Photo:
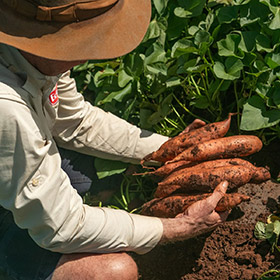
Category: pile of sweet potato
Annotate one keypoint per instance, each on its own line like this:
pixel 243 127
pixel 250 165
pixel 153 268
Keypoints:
pixel 195 162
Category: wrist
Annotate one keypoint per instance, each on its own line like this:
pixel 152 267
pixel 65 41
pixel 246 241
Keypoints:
pixel 177 229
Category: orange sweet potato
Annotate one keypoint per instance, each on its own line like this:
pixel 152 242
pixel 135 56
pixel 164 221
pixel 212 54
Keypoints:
pixel 227 147
pixel 169 168
pixel 171 206
pixel 179 143
pixel 202 180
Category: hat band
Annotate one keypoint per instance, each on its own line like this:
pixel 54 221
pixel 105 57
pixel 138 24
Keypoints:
pixel 66 13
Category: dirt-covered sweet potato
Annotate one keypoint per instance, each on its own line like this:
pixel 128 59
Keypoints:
pixel 227 147
pixel 171 206
pixel 178 144
pixel 203 180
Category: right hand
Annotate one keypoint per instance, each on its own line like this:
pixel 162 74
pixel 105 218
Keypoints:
pixel 199 218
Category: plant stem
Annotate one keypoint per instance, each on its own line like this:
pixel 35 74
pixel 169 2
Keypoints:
pixel 237 107
pixel 215 94
pixel 187 110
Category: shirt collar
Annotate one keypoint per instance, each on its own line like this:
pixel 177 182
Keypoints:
pixel 33 79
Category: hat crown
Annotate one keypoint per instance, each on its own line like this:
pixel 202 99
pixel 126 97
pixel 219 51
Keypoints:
pixel 55 3
pixel 61 10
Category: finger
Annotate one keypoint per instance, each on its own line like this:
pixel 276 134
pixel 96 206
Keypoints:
pixel 218 193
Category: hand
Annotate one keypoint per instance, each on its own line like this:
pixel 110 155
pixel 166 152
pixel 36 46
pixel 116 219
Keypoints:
pixel 197 123
pixel 199 218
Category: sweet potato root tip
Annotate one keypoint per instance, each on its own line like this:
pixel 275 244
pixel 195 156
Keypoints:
pixel 166 169
pixel 171 206
pixel 260 175
pixel 230 201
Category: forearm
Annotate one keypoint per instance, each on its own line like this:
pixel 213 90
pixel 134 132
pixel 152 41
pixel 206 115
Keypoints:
pixel 88 129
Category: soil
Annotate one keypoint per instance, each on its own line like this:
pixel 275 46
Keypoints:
pixel 231 251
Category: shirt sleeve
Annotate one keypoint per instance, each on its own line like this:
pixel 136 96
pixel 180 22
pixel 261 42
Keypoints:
pixel 88 129
pixel 42 200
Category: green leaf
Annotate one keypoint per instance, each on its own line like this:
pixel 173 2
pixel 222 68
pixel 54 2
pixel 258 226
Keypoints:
pixel 248 39
pixel 123 79
pixel 157 68
pixel 190 8
pixel 181 47
pixel 175 26
pixel 107 167
pixel 273 60
pixel 276 229
pixel 263 43
pixel 153 31
pixel 269 230
pixel 117 95
pixel 259 231
pixel 165 106
pixel 160 5
pixel 272 6
pixel 253 13
pixel 200 102
pixel 134 64
pixel 229 46
pixel 275 23
pixel 144 118
pixel 256 116
pixel 227 14
pixel 155 53
pixel 173 82
pixel 201 36
pixel 107 72
pixel 229 71
pixel 193 29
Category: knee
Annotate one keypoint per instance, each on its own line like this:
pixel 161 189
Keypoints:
pixel 122 267
pixel 115 266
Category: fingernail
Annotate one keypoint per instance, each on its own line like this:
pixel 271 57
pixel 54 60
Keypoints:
pixel 224 185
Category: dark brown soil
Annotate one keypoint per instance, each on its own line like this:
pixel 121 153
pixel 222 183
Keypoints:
pixel 231 251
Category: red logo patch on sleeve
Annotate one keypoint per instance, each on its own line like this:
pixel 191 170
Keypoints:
pixel 53 97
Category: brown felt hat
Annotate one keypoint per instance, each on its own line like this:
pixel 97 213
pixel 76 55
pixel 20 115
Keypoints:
pixel 74 30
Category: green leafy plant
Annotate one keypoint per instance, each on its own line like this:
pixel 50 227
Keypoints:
pixel 198 59
pixel 269 231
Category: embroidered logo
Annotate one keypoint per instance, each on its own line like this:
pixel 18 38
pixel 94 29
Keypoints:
pixel 53 97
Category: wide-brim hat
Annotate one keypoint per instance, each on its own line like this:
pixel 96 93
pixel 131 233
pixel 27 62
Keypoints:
pixel 71 30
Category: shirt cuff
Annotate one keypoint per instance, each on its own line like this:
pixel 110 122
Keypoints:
pixel 148 142
pixel 147 233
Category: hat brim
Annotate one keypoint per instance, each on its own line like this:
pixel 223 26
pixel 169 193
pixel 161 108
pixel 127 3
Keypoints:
pixel 110 35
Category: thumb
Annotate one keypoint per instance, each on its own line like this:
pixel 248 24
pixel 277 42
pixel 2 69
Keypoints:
pixel 218 193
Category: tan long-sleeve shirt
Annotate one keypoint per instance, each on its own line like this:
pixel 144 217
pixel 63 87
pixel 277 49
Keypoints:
pixel 35 110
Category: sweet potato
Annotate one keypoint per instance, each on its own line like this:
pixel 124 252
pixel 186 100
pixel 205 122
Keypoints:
pixel 227 147
pixel 169 168
pixel 171 206
pixel 178 144
pixel 202 180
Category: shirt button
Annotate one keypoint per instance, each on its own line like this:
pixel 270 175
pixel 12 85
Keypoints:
pixel 35 182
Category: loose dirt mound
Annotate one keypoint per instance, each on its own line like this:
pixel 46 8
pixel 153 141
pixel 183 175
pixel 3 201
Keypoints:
pixel 231 251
